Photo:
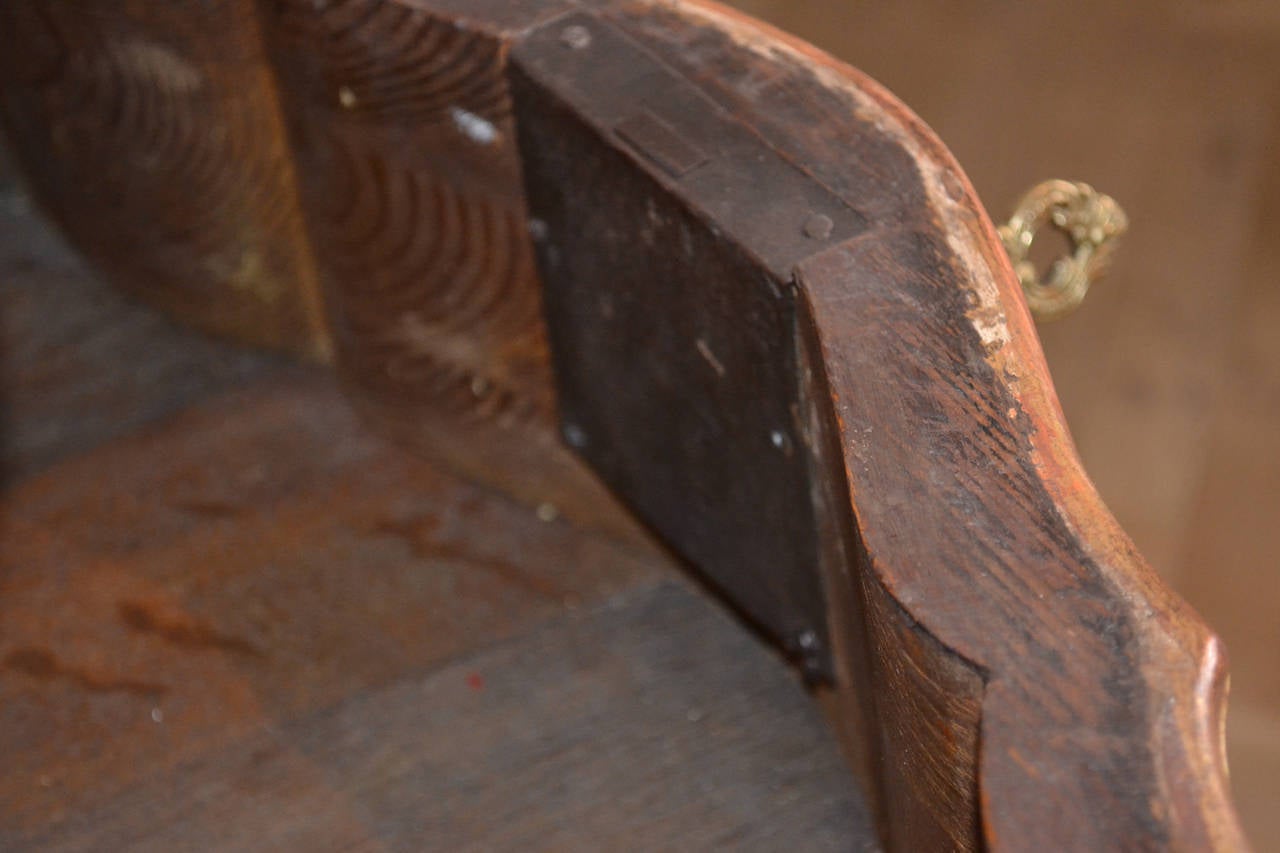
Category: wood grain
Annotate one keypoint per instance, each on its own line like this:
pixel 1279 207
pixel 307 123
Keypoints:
pixel 1033 651
pixel 359 199
pixel 256 625
pixel 648 723
pixel 1012 663
pixel 153 136
pixel 403 126
pixel 256 559
pixel 1164 376
pixel 81 364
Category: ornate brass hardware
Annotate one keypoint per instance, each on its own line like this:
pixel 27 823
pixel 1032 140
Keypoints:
pixel 1090 220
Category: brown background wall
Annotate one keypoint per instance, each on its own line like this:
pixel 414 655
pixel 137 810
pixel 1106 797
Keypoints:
pixel 1170 374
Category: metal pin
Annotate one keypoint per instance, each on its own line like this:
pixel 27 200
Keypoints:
pixel 574 435
pixel 576 37
pixel 818 227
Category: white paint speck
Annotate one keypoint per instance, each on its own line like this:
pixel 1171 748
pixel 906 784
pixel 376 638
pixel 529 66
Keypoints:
pixel 709 357
pixel 157 716
pixel 476 128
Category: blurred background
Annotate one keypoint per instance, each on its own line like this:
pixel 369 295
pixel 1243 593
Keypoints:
pixel 1170 373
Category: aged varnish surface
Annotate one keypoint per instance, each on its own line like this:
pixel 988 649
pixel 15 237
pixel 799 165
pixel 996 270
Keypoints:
pixel 237 619
pixel 778 323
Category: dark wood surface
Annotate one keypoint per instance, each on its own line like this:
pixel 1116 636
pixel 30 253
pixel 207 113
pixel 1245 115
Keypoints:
pixel 652 722
pixel 1011 662
pixel 80 365
pixel 249 623
pixel 1020 665
pixel 154 138
pixel 1170 374
pixel 671 378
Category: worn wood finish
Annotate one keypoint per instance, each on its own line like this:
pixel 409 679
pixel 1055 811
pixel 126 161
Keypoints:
pixel 401 124
pixel 153 136
pixel 1026 668
pixel 406 151
pixel 257 626
pixel 651 722
pixel 1018 678
pixel 358 197
pixel 80 364
pixel 671 402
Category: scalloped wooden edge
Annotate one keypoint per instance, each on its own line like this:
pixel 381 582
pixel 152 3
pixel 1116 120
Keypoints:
pixel 1179 657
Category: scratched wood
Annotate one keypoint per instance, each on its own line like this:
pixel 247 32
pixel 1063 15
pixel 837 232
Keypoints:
pixel 650 723
pixel 257 625
pixel 1020 666
pixel 179 592
pixel 1013 675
